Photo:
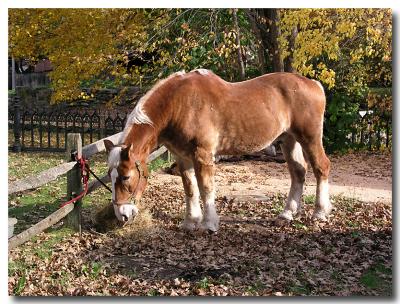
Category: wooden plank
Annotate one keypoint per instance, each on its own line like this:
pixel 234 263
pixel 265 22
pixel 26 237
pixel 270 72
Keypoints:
pixel 98 146
pixel 248 198
pixel 52 219
pixel 156 153
pixel 74 182
pixel 42 178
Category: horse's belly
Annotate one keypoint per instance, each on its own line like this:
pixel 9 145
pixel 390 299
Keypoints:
pixel 237 146
pixel 250 131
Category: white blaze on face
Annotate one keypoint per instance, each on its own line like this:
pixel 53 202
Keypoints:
pixel 128 210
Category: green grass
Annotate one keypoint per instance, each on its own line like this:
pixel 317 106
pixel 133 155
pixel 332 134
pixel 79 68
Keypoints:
pixel 300 225
pixel 44 250
pixel 378 278
pixel 32 206
pixel 62 278
pixel 15 266
pixel 277 206
pixel 153 293
pixel 309 199
pixel 158 163
pixel 255 288
pixel 92 270
pixel 20 285
pixel 299 290
pixel 204 283
pixel 25 164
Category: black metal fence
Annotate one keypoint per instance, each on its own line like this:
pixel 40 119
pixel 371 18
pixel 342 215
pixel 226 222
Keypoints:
pixel 46 129
pixel 373 131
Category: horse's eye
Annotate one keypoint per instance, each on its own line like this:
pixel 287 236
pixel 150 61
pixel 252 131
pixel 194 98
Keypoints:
pixel 124 178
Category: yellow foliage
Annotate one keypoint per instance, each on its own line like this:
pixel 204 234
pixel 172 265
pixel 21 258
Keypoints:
pixel 338 39
pixel 343 48
pixel 80 43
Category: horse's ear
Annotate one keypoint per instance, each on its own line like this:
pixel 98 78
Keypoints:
pixel 109 145
pixel 125 152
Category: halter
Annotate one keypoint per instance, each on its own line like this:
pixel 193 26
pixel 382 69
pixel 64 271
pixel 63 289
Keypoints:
pixel 141 174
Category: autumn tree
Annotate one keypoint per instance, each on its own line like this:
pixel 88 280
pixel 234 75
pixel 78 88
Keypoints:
pixel 348 50
pixel 95 45
pixel 82 44
pixel 343 48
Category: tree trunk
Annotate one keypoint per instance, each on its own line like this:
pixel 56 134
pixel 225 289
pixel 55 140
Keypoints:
pixel 272 15
pixel 289 60
pixel 267 21
pixel 239 50
pixel 260 46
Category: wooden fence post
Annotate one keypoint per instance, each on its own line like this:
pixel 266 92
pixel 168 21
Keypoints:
pixel 167 156
pixel 74 182
pixel 170 157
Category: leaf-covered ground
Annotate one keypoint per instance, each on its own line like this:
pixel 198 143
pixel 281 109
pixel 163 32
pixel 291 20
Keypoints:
pixel 250 255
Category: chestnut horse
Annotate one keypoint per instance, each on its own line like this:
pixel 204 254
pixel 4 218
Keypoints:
pixel 198 115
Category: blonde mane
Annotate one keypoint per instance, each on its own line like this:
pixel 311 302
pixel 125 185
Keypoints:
pixel 138 114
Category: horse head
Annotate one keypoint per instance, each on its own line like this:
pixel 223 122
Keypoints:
pixel 128 177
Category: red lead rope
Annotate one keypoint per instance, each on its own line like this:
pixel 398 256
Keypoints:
pixel 84 167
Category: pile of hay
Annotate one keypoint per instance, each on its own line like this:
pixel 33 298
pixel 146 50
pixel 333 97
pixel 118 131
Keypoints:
pixel 105 220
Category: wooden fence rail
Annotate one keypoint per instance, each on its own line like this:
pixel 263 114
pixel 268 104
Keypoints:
pixel 33 182
pixel 49 221
pixel 98 146
pixel 40 179
pixel 71 211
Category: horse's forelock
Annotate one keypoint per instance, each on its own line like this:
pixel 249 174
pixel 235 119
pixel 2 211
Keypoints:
pixel 114 157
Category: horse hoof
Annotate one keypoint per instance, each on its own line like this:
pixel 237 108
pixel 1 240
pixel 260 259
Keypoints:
pixel 284 218
pixel 281 221
pixel 209 227
pixel 319 216
pixel 188 226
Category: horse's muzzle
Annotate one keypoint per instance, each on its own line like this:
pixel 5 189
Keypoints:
pixel 125 212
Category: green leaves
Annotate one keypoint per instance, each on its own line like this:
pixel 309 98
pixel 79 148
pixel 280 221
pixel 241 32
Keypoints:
pixel 20 285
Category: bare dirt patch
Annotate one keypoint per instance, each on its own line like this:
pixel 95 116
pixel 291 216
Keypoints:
pixel 363 176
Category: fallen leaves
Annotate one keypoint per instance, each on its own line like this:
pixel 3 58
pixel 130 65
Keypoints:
pixel 288 260
pixel 249 255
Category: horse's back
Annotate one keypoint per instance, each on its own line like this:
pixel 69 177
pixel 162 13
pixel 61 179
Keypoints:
pixel 245 116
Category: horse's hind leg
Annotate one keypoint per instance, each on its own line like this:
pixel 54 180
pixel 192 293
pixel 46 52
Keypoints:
pixel 193 215
pixel 321 167
pixel 297 166
pixel 204 167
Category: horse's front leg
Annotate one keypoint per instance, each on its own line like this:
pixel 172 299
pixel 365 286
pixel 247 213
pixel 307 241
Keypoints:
pixel 204 168
pixel 193 215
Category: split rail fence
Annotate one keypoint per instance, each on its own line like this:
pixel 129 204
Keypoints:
pixel 72 212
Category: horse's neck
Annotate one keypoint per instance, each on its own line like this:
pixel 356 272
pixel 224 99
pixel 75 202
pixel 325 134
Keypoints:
pixel 143 138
